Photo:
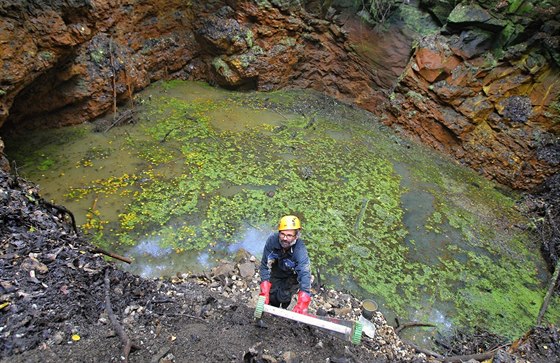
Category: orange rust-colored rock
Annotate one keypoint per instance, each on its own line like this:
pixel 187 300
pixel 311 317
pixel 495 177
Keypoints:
pixel 59 60
pixel 499 121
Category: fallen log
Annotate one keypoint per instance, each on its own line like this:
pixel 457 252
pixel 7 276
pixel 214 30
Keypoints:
pixel 127 342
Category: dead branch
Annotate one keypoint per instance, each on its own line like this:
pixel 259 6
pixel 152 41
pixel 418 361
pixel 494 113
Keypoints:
pixel 186 316
pixel 128 87
pixel 160 354
pixel 278 112
pixel 63 210
pixel 548 296
pixel 422 350
pixel 111 254
pixel 465 358
pixel 167 134
pixel 126 116
pixel 411 324
pixel 361 215
pixel 128 344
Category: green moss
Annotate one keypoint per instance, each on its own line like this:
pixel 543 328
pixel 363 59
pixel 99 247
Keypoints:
pixel 97 55
pixel 519 7
pixel 246 59
pixel 249 38
pixel 45 164
pixel 288 41
pixel 418 21
pixel 46 55
pixel 416 96
pixel 221 67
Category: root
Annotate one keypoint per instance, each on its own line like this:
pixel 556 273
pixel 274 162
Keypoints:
pixel 63 210
pixel 425 351
pixel 127 342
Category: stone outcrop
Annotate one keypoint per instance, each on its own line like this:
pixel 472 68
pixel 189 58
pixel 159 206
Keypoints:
pixel 494 109
pixel 66 62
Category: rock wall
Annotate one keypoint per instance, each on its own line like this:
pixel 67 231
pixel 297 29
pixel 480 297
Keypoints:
pixel 70 61
pixel 79 65
pixel 486 94
pixel 65 62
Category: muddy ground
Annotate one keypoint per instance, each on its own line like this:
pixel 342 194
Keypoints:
pixel 56 292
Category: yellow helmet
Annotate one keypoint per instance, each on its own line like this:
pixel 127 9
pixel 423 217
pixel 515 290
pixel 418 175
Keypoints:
pixel 289 222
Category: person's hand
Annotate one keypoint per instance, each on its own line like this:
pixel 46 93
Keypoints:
pixel 303 300
pixel 265 291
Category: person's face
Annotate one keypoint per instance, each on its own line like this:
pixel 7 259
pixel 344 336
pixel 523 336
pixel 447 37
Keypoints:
pixel 287 237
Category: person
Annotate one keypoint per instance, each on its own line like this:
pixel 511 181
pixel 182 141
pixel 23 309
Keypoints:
pixel 285 267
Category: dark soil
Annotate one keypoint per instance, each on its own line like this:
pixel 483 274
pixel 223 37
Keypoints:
pixel 55 302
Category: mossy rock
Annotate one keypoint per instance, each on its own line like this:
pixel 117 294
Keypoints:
pixel 474 15
pixel 440 9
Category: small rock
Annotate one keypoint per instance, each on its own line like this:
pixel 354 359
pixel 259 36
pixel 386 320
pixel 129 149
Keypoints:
pixel 246 270
pixel 58 338
pixel 343 311
pixel 32 264
pixel 290 357
pixel 225 270
pixel 7 286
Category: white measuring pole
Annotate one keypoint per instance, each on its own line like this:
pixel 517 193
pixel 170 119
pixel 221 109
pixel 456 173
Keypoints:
pixel 307 319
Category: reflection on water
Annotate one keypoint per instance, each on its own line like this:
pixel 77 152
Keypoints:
pixel 150 248
pixel 152 260
pixel 251 241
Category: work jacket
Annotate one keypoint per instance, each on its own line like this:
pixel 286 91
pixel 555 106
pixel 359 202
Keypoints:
pixel 277 262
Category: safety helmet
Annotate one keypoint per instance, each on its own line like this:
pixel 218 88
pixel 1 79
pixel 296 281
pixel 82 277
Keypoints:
pixel 289 222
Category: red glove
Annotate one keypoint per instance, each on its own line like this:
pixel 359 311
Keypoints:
pixel 265 291
pixel 303 300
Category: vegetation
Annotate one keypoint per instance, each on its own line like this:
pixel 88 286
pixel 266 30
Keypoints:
pixel 379 10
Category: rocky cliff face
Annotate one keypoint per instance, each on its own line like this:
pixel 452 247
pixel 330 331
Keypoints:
pixel 69 61
pixel 486 90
